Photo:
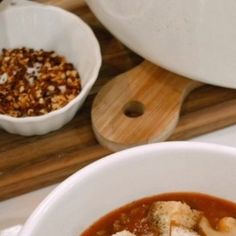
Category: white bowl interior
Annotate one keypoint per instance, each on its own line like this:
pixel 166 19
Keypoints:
pixel 131 175
pixel 49 28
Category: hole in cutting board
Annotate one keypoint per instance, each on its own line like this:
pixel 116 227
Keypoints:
pixel 133 109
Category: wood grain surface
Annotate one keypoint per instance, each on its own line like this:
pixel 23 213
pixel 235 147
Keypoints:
pixel 30 163
pixel 140 106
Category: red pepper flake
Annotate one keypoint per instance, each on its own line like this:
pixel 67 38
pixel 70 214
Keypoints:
pixel 35 82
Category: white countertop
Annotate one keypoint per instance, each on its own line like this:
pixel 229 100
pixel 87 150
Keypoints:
pixel 17 210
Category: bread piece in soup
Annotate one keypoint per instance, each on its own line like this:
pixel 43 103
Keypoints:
pixel 124 233
pixel 164 214
pixel 180 231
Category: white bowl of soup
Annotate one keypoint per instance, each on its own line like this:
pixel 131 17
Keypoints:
pixel 182 171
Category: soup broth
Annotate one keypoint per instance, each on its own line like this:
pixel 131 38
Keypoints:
pixel 136 217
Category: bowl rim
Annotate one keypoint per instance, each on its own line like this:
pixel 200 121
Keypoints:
pixel 86 29
pixel 78 176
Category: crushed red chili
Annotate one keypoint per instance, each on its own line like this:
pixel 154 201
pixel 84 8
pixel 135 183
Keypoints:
pixel 35 82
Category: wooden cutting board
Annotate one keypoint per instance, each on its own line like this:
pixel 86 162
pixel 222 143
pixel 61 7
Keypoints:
pixel 29 163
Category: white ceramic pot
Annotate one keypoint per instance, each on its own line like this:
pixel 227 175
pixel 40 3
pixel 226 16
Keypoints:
pixel 129 175
pixel 192 38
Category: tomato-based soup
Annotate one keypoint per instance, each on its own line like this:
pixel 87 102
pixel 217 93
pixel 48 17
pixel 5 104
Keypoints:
pixel 134 217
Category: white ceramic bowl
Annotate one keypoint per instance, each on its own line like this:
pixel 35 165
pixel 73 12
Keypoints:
pixel 130 175
pixel 50 28
pixel 193 38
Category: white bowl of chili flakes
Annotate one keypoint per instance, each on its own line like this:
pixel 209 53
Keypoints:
pixel 52 30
